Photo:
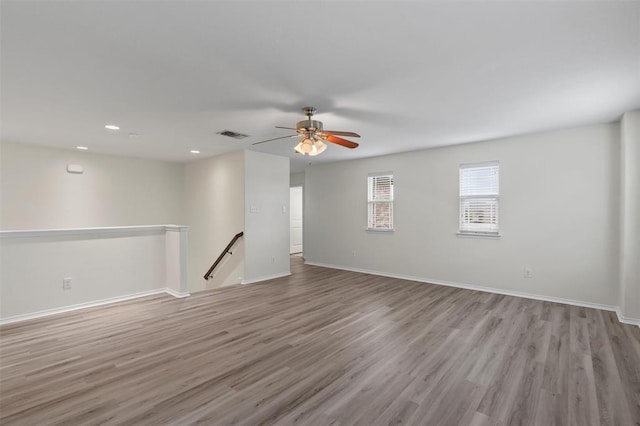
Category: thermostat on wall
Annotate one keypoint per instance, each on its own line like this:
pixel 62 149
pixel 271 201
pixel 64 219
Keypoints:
pixel 74 168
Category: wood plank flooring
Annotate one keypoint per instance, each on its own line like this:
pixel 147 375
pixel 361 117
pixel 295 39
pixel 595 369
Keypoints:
pixel 323 347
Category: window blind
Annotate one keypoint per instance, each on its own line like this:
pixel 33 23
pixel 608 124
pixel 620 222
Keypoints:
pixel 479 197
pixel 380 201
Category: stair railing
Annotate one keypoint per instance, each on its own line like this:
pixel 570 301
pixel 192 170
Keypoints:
pixel 226 250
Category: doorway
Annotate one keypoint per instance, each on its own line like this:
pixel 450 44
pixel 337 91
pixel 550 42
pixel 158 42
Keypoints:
pixel 295 219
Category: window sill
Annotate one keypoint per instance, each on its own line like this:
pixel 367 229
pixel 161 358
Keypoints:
pixel 485 235
pixel 379 230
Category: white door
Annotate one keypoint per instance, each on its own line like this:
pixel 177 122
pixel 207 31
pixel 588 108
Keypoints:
pixel 295 217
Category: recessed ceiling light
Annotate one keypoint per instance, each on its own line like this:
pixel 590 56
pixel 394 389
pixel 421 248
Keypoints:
pixel 195 151
pixel 111 127
pixel 84 148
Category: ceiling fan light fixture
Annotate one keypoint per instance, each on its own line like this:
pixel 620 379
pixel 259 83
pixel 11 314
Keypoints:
pixel 305 146
pixel 318 148
pixel 310 145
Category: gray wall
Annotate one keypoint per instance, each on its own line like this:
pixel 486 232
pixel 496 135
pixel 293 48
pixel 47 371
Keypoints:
pixel 559 216
pixel 38 193
pixel 630 216
pixel 214 205
pixel 296 179
pixel 266 216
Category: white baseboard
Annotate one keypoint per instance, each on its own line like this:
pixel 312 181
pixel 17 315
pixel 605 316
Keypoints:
pixel 626 320
pixel 177 294
pixel 101 302
pixel 265 278
pixel 545 298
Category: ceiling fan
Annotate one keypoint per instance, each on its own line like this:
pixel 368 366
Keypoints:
pixel 313 135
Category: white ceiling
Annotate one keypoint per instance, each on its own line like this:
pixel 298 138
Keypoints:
pixel 405 75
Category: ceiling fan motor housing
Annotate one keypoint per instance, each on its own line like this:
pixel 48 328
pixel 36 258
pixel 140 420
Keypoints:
pixel 309 126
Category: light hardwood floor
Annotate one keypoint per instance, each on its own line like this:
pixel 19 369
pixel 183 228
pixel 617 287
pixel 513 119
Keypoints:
pixel 323 347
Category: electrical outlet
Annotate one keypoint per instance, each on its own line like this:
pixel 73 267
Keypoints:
pixel 273 259
pixel 354 253
pixel 66 283
pixel 528 273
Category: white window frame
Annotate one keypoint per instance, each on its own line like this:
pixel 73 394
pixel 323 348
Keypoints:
pixel 372 202
pixel 490 196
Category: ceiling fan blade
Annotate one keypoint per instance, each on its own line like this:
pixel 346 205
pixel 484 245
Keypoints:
pixel 339 141
pixel 275 139
pixel 339 133
pixel 288 128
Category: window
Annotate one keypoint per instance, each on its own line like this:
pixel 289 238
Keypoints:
pixel 380 200
pixel 479 194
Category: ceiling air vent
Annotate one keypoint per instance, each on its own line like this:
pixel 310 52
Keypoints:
pixel 234 135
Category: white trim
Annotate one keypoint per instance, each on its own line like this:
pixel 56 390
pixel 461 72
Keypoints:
pixel 265 278
pixel 484 235
pixel 626 320
pixel 108 301
pixel 378 174
pixel 91 231
pixel 491 163
pixel 176 228
pixel 176 294
pixel 572 302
